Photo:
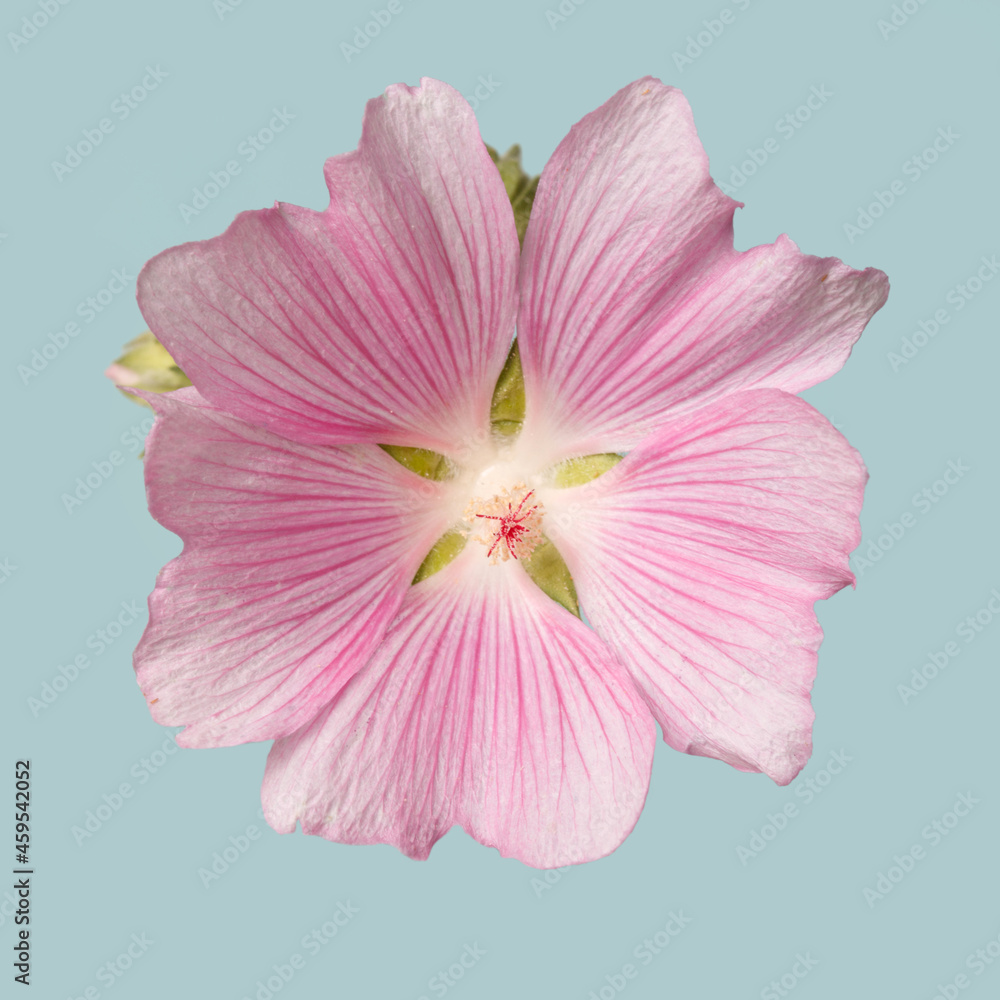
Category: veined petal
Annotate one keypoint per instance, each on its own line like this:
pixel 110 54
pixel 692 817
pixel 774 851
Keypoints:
pixel 295 559
pixel 634 303
pixel 698 559
pixel 487 705
pixel 385 318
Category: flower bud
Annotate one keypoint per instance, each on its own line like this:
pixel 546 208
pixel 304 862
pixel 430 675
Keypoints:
pixel 145 364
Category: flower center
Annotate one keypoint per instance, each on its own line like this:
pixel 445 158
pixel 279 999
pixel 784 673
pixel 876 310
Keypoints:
pixel 509 524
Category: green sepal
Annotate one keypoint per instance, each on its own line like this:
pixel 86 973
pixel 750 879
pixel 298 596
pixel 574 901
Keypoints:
pixel 422 461
pixel 507 408
pixel 550 573
pixel 507 428
pixel 577 471
pixel 444 551
pixel 520 186
pixel 149 366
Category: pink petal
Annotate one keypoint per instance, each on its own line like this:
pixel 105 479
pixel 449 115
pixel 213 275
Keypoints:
pixel 698 559
pixel 385 318
pixel 635 304
pixel 487 705
pixel 295 559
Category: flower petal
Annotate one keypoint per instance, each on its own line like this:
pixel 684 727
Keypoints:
pixel 385 318
pixel 698 559
pixel 487 705
pixel 295 559
pixel 634 302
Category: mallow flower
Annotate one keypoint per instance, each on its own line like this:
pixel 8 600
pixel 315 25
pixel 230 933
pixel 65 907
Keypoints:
pixel 460 582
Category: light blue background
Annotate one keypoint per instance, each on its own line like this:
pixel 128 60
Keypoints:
pixel 804 892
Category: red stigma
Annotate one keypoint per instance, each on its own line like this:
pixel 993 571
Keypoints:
pixel 511 526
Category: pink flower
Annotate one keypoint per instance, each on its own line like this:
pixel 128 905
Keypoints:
pixel 471 697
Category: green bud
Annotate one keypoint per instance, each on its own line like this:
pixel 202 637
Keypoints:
pixel 445 549
pixel 422 461
pixel 146 364
pixel 520 186
pixel 551 574
pixel 507 408
pixel 577 471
